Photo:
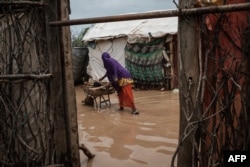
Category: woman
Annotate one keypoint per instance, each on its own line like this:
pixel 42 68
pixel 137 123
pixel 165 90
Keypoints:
pixel 121 80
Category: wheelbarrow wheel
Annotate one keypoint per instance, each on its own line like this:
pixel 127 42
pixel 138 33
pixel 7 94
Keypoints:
pixel 89 101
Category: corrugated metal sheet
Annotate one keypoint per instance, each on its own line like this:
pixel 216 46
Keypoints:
pixel 136 28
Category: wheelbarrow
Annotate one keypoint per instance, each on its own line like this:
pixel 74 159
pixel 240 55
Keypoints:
pixel 101 92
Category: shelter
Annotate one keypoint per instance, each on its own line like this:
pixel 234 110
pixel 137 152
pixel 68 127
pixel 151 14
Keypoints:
pixel 136 44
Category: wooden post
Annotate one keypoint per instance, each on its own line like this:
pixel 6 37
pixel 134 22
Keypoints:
pixel 66 149
pixel 59 156
pixel 188 49
pixel 69 89
pixel 186 10
pixel 171 57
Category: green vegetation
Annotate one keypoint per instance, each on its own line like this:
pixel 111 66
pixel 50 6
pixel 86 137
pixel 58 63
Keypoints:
pixel 77 39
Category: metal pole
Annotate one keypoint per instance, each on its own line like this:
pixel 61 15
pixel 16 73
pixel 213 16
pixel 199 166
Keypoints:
pixel 155 14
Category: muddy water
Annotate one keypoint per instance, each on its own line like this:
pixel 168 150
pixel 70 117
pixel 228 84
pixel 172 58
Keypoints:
pixel 121 139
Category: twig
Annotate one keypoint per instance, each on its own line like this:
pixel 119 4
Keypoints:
pixel 86 151
pixel 26 145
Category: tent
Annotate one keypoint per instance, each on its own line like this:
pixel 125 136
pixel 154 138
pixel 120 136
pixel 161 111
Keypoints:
pixel 118 38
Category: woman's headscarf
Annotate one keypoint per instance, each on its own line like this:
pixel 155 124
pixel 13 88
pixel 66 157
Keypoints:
pixel 114 69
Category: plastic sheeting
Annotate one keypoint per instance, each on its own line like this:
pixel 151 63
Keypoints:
pixel 79 62
pixel 133 29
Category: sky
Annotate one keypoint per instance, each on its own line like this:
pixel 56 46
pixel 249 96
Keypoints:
pixel 81 9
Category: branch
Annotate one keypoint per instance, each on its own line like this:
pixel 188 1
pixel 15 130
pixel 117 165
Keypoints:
pixel 22 3
pixel 24 76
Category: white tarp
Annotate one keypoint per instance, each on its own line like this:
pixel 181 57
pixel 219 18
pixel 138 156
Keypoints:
pixel 136 28
pixel 112 37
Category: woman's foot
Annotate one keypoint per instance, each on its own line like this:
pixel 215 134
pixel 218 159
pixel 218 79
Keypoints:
pixel 121 109
pixel 134 112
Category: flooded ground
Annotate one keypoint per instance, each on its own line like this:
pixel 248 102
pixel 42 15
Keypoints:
pixel 118 138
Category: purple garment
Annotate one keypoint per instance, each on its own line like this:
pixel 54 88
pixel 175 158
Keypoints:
pixel 115 70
